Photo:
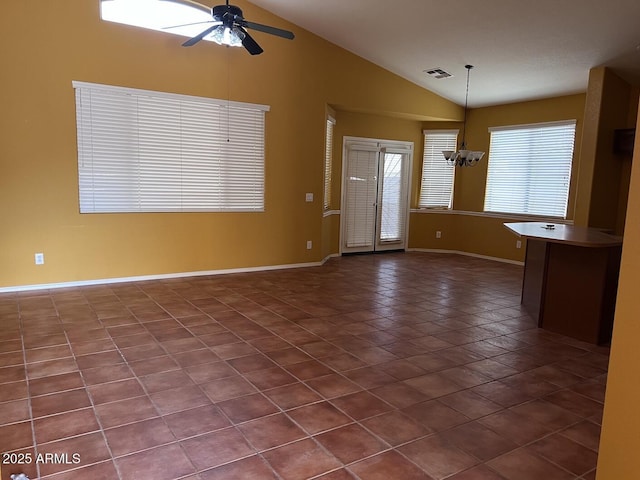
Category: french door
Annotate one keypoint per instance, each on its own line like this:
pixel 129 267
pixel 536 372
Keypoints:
pixel 375 195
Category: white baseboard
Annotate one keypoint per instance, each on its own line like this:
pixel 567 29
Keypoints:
pixel 164 276
pixel 467 254
pixel 331 255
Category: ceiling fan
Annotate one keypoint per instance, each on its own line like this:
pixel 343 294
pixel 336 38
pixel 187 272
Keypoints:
pixel 228 27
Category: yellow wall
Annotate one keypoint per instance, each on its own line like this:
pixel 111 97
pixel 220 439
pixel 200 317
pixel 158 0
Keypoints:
pixel 38 162
pixel 465 232
pixel 604 176
pixel 330 235
pixel 620 438
pixel 352 124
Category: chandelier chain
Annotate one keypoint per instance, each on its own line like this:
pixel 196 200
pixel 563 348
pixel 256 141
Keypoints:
pixel 464 157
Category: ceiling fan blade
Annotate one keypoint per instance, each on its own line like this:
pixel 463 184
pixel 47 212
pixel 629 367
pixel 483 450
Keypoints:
pixel 189 24
pixel 249 43
pixel 191 3
pixel 267 29
pixel 197 38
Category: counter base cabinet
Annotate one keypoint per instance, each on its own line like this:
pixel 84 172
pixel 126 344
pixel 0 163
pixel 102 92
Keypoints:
pixel 571 289
pixel 533 283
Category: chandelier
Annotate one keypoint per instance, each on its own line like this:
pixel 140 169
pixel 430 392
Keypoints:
pixel 463 157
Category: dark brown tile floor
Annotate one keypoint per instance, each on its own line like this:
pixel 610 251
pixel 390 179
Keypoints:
pixel 395 366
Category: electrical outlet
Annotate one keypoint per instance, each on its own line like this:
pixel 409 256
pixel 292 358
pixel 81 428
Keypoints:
pixel 518 244
pixel 309 244
pixel 308 197
pixel 39 258
pixel 438 234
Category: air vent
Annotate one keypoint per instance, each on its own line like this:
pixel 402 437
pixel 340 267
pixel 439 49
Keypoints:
pixel 437 73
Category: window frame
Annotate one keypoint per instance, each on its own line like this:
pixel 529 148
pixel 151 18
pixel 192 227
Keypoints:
pixel 181 18
pixel 523 188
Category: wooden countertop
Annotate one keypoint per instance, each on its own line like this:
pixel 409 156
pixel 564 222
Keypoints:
pixel 569 234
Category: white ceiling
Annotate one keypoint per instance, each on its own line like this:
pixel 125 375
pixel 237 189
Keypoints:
pixel 521 50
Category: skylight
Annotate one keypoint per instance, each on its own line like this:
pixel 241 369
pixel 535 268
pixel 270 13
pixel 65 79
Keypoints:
pixel 168 16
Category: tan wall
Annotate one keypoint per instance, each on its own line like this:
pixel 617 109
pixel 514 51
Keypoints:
pixel 352 124
pixel 604 178
pixel 330 235
pixel 619 444
pixel 626 163
pixel 465 232
pixel 38 161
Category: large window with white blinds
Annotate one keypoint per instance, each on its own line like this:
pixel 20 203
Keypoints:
pixel 436 188
pixel 145 151
pixel 529 169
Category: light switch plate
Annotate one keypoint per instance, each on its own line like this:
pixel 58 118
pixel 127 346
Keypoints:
pixel 309 197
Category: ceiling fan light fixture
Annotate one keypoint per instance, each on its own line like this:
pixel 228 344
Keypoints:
pixel 231 37
pixel 230 28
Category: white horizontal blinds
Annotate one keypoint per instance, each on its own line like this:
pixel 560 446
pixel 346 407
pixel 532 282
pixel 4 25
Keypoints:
pixel 328 161
pixel 110 134
pixel 361 195
pixel 159 154
pixel 436 188
pixel 529 169
pixel 393 200
pixel 141 151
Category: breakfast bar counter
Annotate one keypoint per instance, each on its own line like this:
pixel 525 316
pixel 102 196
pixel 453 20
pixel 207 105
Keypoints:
pixel 570 278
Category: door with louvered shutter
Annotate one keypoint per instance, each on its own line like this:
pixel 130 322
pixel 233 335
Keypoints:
pixel 361 193
pixel 375 196
pixel 392 199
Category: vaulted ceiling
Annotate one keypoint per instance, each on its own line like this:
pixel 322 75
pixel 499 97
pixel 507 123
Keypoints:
pixel 521 50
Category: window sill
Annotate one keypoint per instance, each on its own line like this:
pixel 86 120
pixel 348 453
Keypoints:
pixel 505 216
pixel 328 213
